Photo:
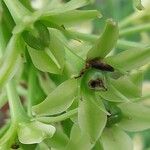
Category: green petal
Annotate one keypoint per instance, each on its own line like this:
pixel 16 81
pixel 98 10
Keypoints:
pixel 58 100
pixel 135 118
pixel 43 62
pixel 90 119
pixel 78 140
pixel 112 94
pixel 71 5
pixel 126 87
pixel 129 59
pixel 38 37
pixel 106 42
pixel 34 132
pixel 71 17
pixel 137 78
pixel 116 139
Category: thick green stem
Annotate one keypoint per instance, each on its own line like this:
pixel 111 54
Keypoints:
pixel 17 10
pixel 16 109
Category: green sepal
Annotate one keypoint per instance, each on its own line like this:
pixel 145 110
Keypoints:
pixel 58 100
pixel 65 7
pixel 106 41
pixel 78 140
pixel 89 117
pixel 135 117
pixel 43 61
pixel 129 59
pixel 116 139
pixel 38 37
pixel 71 17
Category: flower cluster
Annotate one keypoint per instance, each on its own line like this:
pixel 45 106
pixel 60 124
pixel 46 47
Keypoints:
pixel 71 100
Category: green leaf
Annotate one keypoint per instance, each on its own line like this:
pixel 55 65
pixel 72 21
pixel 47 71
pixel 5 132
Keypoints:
pixel 129 59
pixel 90 119
pixel 71 17
pixel 11 59
pixel 106 42
pixel 78 140
pixel 43 62
pixel 135 118
pixel 34 132
pixel 58 100
pixel 116 139
pixel 125 86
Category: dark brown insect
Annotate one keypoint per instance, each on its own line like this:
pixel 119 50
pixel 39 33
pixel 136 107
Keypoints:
pixel 97 84
pixel 15 146
pixel 97 64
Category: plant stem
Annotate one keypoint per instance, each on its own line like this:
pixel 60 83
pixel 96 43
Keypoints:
pixel 135 29
pixel 124 44
pixel 133 17
pixel 16 109
pixel 59 118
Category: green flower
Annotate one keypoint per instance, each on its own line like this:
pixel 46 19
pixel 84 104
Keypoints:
pixel 34 132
